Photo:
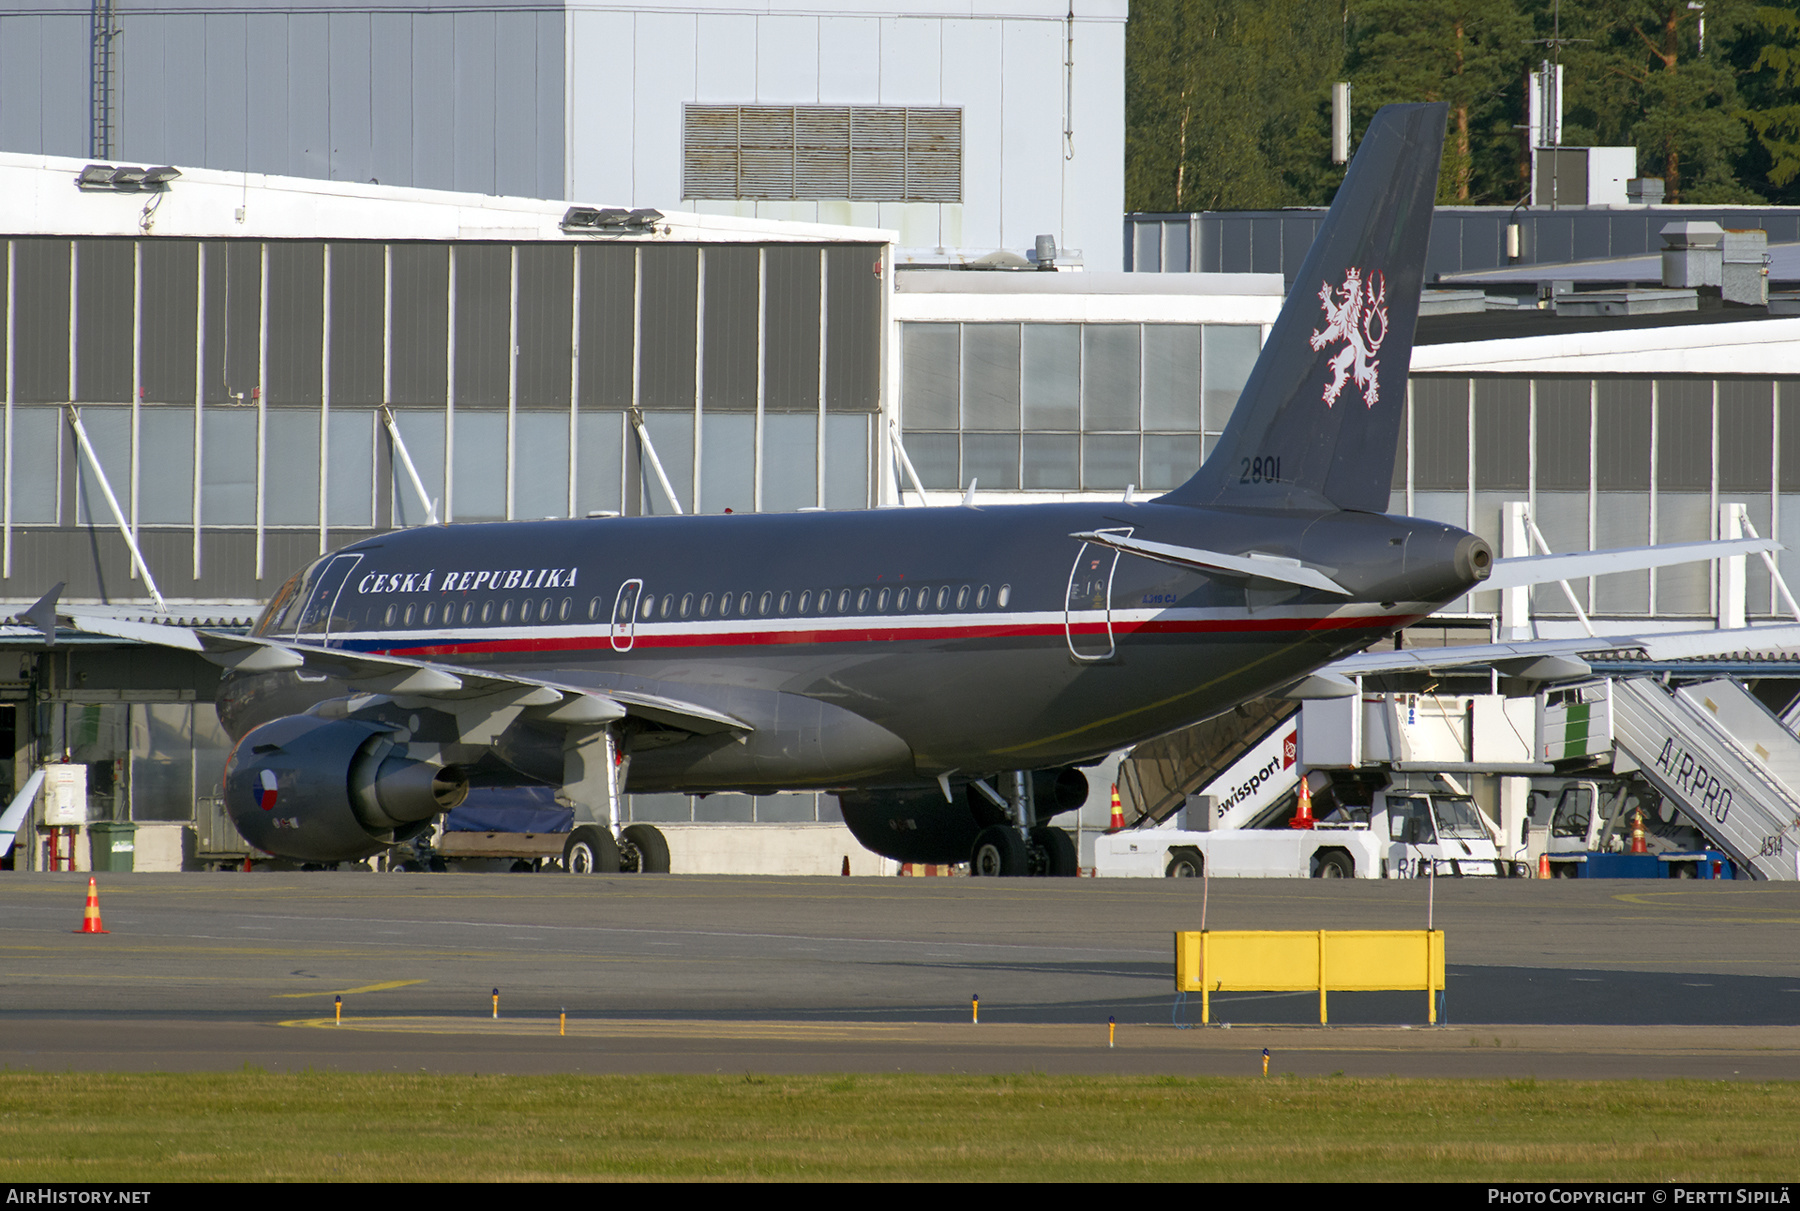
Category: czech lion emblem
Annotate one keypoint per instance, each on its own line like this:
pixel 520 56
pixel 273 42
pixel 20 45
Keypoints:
pixel 1357 315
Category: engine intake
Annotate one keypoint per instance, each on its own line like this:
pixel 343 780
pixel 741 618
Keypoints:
pixel 332 790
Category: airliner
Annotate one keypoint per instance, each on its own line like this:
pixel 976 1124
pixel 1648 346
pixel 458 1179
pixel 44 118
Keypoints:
pixel 947 672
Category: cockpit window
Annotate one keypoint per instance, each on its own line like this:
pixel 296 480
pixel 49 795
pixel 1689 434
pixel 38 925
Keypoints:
pixel 285 601
pixel 327 597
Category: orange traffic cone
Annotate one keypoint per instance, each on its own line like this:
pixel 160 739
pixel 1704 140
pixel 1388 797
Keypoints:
pixel 1118 812
pixel 1638 845
pixel 846 871
pixel 1544 865
pixel 90 916
pixel 1303 817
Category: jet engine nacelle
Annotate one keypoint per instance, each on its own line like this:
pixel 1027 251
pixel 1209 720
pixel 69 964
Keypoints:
pixel 332 790
pixel 915 824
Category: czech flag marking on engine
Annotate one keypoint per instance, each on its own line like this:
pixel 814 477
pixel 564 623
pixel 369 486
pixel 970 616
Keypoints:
pixel 267 798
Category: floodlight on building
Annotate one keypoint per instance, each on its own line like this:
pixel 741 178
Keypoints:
pixel 643 218
pixel 126 178
pixel 589 218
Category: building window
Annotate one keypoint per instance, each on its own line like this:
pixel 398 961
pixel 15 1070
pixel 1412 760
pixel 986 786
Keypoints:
pixel 786 152
pixel 1067 406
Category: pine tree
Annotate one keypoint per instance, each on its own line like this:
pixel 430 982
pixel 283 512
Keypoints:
pixel 1639 77
pixel 1471 54
pixel 1227 103
pixel 1770 59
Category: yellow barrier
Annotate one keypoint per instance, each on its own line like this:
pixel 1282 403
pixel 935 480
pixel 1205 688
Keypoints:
pixel 1342 960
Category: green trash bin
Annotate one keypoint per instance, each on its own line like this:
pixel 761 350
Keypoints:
pixel 112 844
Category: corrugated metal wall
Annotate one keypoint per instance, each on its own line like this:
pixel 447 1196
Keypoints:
pixel 1612 461
pixel 1463 238
pixel 458 94
pixel 230 391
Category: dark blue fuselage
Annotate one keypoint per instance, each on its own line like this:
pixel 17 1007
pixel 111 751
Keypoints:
pixel 872 648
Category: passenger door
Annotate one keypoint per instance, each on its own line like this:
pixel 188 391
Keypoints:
pixel 1087 608
pixel 624 616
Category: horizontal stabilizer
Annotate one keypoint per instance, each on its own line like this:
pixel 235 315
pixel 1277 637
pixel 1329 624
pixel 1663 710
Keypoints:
pixel 1533 653
pixel 1546 569
pixel 1253 566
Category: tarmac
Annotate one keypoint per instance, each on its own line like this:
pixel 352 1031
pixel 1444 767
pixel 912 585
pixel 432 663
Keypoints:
pixel 1547 979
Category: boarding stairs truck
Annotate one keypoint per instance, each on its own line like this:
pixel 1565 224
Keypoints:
pixel 1709 748
pixel 1377 771
pixel 1417 826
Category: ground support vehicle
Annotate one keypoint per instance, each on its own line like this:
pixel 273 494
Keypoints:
pixel 1674 864
pixel 1415 829
pixel 526 829
pixel 1590 828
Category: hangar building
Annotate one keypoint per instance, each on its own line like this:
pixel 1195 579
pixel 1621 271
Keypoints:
pixel 964 129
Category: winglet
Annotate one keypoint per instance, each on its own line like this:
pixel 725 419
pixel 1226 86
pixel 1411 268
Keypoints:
pixel 43 614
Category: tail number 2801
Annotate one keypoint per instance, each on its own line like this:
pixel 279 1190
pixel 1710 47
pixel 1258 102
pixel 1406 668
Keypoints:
pixel 1264 470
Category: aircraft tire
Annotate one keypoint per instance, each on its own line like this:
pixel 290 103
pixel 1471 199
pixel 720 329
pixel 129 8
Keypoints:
pixel 643 850
pixel 1185 863
pixel 999 852
pixel 1062 862
pixel 590 850
pixel 1335 866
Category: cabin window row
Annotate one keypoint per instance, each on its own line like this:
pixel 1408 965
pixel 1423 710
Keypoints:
pixel 769 603
pixel 887 599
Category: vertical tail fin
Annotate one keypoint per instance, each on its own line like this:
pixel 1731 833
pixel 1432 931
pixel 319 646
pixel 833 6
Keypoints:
pixel 1318 422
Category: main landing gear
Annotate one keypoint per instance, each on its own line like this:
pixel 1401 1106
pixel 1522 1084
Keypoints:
pixel 594 772
pixel 639 849
pixel 1025 847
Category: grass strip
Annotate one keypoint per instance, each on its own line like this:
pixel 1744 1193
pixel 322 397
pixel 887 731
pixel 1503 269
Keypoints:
pixel 309 1127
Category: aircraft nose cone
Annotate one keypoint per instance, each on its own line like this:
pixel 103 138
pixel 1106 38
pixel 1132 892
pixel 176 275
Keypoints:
pixel 1474 559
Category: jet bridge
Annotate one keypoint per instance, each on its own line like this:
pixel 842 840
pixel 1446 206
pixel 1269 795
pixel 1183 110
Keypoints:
pixel 1710 748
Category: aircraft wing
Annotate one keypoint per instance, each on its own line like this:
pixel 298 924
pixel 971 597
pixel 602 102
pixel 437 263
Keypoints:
pixel 398 676
pixel 1507 573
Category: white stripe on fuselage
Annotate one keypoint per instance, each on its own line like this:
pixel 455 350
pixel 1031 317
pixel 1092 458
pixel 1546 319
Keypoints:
pixel 728 629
